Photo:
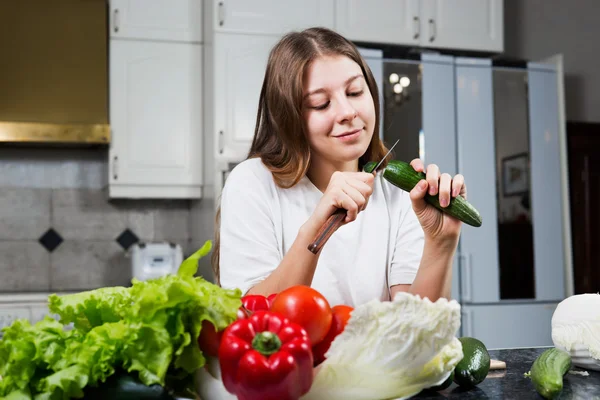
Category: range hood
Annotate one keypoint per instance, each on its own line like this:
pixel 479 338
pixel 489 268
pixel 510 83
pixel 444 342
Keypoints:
pixel 54 72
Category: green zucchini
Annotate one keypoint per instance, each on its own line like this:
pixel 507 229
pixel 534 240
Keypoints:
pixel 401 174
pixel 124 386
pixel 548 371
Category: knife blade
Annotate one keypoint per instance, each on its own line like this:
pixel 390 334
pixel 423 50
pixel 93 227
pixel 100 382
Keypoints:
pixel 337 218
pixel 384 157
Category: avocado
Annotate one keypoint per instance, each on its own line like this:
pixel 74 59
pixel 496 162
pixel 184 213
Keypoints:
pixel 475 364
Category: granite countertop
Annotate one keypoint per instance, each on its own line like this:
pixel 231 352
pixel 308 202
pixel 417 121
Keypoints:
pixel 511 384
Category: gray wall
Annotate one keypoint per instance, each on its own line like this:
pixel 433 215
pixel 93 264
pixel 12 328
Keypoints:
pixel 65 189
pixel 536 29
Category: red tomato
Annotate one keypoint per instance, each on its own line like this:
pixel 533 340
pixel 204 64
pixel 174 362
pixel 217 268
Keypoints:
pixel 306 307
pixel 341 315
pixel 209 339
pixel 271 297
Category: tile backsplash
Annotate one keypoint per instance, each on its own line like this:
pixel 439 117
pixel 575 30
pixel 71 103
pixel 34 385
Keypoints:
pixel 59 231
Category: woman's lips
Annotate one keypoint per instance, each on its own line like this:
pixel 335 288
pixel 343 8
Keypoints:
pixel 351 135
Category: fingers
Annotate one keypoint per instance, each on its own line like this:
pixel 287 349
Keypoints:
pixel 363 177
pixel 441 184
pixel 352 191
pixel 459 187
pixel 418 165
pixel 345 201
pixel 433 176
pixel 444 189
pixel 417 196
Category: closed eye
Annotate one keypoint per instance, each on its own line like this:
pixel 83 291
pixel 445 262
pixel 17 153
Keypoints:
pixel 355 94
pixel 322 107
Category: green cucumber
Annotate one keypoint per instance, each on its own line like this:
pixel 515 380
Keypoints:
pixel 548 371
pixel 473 368
pixel 401 174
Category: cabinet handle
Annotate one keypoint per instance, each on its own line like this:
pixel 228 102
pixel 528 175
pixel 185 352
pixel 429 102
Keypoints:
pixel 114 167
pixel 221 13
pixel 467 323
pixel 220 142
pixel 417 27
pixel 116 19
pixel 465 262
pixel 432 29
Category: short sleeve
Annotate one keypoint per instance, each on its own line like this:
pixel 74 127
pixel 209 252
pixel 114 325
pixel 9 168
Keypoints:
pixel 249 249
pixel 408 250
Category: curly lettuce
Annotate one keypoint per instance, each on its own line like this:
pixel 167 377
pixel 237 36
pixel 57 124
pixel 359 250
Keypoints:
pixel 150 328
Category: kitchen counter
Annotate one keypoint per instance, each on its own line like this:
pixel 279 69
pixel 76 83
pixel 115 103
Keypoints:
pixel 511 384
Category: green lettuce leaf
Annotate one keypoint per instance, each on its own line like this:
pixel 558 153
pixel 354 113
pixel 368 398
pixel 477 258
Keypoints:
pixel 150 329
pixel 92 308
pixel 189 266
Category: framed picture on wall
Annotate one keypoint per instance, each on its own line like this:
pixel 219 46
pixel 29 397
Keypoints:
pixel 515 175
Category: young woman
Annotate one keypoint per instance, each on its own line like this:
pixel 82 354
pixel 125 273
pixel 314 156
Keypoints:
pixel 318 115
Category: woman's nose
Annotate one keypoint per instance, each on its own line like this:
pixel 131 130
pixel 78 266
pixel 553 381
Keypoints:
pixel 346 112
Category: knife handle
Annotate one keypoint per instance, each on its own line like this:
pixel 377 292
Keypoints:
pixel 333 222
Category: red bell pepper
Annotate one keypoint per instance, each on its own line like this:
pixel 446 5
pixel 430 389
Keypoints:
pixel 255 302
pixel 209 339
pixel 266 357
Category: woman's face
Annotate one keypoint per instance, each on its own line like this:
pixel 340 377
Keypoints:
pixel 338 109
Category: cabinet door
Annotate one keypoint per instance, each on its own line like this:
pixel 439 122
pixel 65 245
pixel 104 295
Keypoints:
pixel 509 325
pixel 384 21
pixel 476 155
pixel 438 136
pixel 240 62
pixel 548 185
pixel 271 17
pixel 173 20
pixel 463 24
pixel 156 116
pixel 374 59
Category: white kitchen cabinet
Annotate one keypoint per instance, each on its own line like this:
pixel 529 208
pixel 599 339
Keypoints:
pixel 170 20
pixel 156 119
pixel 267 17
pixel 463 24
pixel 238 71
pixel 457 24
pixel 385 21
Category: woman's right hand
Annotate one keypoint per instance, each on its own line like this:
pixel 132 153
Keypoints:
pixel 348 190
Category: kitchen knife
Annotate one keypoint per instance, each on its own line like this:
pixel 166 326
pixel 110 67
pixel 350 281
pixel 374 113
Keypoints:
pixel 337 218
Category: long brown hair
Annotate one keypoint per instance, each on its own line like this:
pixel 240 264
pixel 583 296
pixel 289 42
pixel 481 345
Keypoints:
pixel 279 135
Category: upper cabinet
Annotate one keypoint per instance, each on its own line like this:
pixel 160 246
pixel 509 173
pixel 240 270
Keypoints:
pixel 475 25
pixel 155 99
pixel 171 20
pixel 240 66
pixel 271 17
pixel 386 21
pixel 156 103
pixel 463 24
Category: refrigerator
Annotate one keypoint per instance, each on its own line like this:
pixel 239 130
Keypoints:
pixel 500 124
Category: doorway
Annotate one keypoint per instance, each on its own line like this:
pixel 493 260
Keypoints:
pixel 583 141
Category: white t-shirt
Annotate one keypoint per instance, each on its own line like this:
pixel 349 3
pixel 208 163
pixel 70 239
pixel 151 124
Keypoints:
pixel 359 262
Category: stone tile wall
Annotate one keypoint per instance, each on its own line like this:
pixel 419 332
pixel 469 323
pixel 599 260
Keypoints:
pixel 59 231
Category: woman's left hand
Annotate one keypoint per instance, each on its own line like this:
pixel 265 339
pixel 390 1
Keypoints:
pixel 437 225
